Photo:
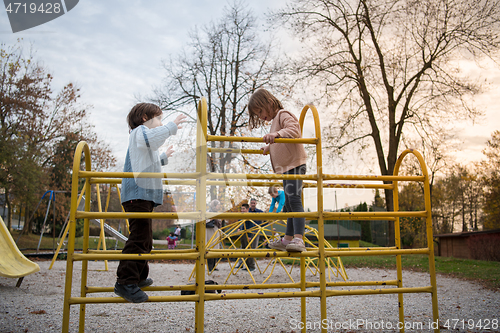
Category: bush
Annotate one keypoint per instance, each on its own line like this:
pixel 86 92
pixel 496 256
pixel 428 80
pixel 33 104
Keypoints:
pixel 162 234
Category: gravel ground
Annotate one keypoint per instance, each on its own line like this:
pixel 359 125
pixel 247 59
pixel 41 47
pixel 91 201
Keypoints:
pixel 37 305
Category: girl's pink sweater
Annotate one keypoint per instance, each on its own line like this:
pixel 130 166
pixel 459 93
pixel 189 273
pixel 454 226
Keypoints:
pixel 286 156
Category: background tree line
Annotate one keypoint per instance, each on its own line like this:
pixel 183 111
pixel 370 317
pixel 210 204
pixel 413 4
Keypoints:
pixel 39 132
pixel 464 198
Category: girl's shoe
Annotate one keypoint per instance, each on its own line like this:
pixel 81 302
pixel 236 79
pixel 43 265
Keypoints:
pixel 296 245
pixel 277 244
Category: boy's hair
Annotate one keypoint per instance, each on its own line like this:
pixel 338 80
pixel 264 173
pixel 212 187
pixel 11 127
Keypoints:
pixel 272 189
pixel 245 205
pixel 261 99
pixel 140 112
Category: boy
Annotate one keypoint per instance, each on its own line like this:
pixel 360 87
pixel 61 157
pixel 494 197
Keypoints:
pixel 147 135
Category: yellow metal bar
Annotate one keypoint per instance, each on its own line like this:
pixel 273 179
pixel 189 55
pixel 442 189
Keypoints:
pixel 131 256
pixel 429 232
pixel 85 248
pixel 338 252
pixel 101 300
pixel 96 174
pixel 65 233
pixel 379 215
pixel 102 236
pixel 81 148
pixel 250 139
pixel 255 176
pixel 303 303
pixel 191 287
pixel 354 283
pixel 379 291
pixel 235 151
pixel 197 215
pixel 246 176
pixel 256 253
pixel 354 186
pixel 321 214
pixel 152 251
pixel 201 187
pixel 374 178
pixel 213 253
pixel 399 264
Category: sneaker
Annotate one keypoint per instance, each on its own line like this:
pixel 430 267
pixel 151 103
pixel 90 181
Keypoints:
pixel 145 283
pixel 277 244
pixel 131 292
pixel 239 264
pixel 296 245
pixel 251 269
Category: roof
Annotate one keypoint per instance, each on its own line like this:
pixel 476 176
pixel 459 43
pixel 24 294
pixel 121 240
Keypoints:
pixel 468 233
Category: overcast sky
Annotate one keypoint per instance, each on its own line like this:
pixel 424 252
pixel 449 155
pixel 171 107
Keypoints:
pixel 113 49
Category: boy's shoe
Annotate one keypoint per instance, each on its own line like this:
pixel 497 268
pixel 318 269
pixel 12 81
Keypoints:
pixel 251 269
pixel 277 244
pixel 145 283
pixel 131 292
pixel 296 245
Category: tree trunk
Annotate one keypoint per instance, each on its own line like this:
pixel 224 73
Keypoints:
pixel 389 204
pixel 9 210
pixel 27 220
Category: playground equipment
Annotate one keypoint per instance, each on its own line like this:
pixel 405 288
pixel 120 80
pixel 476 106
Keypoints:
pixel 201 179
pixel 52 199
pixel 13 264
pixel 228 236
pixel 101 223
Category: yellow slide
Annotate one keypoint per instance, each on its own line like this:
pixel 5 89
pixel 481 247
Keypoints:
pixel 13 264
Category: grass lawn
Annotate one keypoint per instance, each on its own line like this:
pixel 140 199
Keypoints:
pixel 485 272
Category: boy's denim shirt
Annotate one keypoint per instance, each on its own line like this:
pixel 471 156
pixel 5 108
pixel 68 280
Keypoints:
pixel 143 156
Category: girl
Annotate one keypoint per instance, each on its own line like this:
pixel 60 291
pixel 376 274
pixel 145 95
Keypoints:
pixel 286 158
pixel 171 239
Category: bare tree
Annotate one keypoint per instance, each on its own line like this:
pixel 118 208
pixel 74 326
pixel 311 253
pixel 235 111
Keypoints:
pixel 225 63
pixel 392 66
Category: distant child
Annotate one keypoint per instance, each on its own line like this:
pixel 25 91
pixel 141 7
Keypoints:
pixel 286 158
pixel 177 233
pixel 147 135
pixel 172 241
pixel 278 198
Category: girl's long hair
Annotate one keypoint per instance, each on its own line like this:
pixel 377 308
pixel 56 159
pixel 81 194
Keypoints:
pixel 261 99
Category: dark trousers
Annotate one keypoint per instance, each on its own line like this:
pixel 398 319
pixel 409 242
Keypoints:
pixel 140 240
pixel 211 263
pixel 293 201
pixel 244 243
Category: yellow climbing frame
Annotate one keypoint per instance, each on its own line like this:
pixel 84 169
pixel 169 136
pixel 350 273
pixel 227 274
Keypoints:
pixel 201 179
pixel 227 237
